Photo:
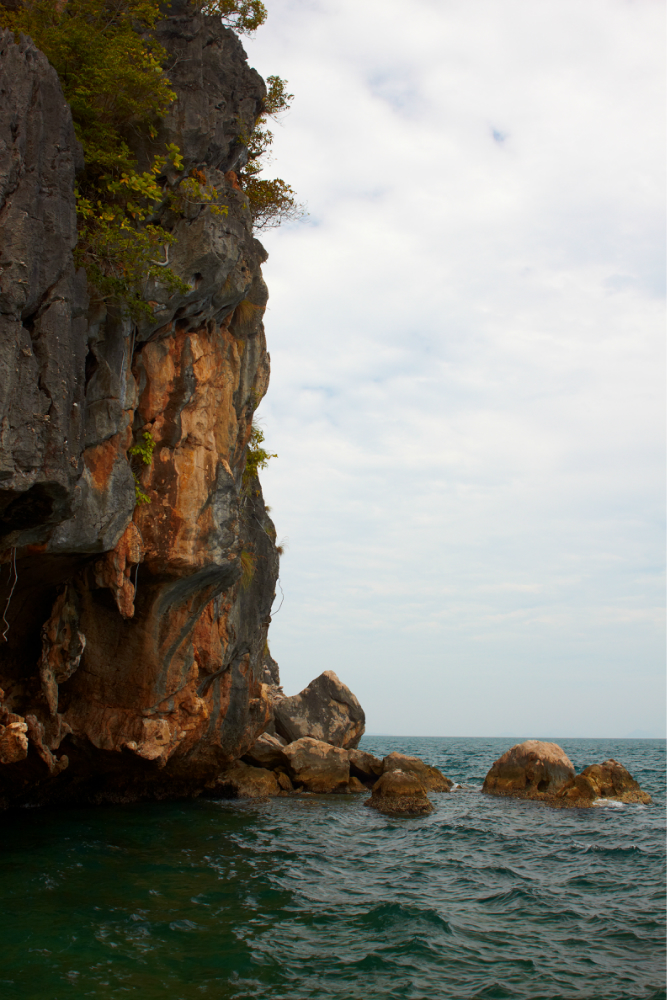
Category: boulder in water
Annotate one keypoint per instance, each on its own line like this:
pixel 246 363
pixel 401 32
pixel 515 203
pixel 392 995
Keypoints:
pixel 535 769
pixel 317 766
pixel 431 778
pixel 244 781
pixel 610 780
pixel 325 710
pixel 402 793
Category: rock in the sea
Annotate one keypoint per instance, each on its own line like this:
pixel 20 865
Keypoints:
pixel 317 766
pixel 610 780
pixel 243 781
pixel 535 769
pixel 364 766
pixel 431 778
pixel 266 752
pixel 326 710
pixel 399 792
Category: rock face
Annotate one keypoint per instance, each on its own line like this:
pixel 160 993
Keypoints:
pixel 128 638
pixel 542 771
pixel 431 778
pixel 532 770
pixel 398 792
pixel 326 710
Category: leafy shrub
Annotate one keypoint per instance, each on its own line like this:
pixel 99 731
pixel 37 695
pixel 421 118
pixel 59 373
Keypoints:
pixel 271 202
pixel 256 457
pixel 143 450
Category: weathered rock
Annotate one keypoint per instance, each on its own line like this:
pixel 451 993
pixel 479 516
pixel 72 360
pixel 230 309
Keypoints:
pixel 42 300
pixel 610 780
pixel 317 766
pixel 13 743
pixel 398 792
pixel 266 752
pixel 364 766
pixel 535 769
pixel 172 683
pixel 243 781
pixel 325 710
pixel 355 785
pixel 431 778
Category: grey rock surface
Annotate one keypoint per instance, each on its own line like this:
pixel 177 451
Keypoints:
pixel 42 301
pixel 325 710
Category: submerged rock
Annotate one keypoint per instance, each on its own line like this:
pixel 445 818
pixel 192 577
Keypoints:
pixel 325 710
pixel 431 778
pixel 317 766
pixel 535 769
pixel 399 792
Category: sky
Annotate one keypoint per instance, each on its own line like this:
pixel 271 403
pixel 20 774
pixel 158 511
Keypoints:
pixel 466 338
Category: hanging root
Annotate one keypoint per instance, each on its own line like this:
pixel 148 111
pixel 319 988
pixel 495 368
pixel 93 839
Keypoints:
pixel 4 614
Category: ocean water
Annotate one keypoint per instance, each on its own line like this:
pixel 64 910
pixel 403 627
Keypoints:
pixel 320 897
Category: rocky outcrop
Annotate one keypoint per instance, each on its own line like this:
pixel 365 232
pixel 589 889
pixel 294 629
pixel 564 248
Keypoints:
pixel 128 638
pixel 610 780
pixel 542 771
pixel 325 710
pixel 431 778
pixel 400 793
pixel 535 769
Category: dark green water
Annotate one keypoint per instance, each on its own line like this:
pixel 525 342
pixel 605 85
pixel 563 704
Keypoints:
pixel 319 897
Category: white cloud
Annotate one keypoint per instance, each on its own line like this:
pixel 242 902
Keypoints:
pixel 466 340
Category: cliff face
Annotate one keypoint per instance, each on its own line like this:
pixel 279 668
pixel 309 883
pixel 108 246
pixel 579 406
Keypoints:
pixel 133 656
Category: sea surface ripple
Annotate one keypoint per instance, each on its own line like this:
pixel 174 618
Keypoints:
pixel 319 897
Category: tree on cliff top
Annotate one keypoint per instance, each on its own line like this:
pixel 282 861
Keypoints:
pixel 111 71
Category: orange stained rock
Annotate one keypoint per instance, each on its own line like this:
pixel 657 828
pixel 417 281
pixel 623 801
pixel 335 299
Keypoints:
pixel 113 570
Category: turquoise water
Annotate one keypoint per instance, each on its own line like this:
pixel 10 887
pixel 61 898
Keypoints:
pixel 319 897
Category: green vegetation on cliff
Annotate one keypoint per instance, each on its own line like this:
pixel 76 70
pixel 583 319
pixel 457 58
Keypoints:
pixel 111 71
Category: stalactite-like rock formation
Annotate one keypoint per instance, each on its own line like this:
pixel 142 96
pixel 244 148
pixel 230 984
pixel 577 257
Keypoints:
pixel 133 659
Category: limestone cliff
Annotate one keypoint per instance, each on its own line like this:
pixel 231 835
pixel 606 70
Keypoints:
pixel 133 656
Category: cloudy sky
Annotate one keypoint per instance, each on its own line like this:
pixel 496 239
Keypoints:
pixel 466 341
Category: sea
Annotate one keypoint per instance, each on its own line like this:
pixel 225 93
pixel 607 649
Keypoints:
pixel 320 897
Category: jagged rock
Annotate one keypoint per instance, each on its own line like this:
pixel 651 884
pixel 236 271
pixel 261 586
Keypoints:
pixel 364 766
pixel 266 752
pixel 325 710
pixel 42 301
pixel 317 766
pixel 399 792
pixel 610 780
pixel 535 769
pixel 431 778
pixel 243 781
pixel 171 686
pixel 62 646
pixel 13 743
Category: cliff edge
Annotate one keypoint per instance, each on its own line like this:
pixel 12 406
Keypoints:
pixel 133 645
